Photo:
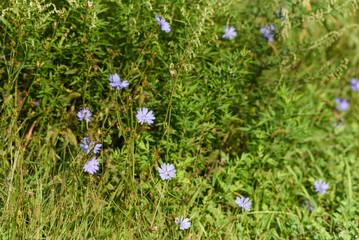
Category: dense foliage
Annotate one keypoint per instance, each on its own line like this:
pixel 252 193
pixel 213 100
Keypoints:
pixel 243 117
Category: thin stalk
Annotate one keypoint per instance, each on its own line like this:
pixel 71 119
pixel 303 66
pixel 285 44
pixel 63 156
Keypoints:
pixel 154 216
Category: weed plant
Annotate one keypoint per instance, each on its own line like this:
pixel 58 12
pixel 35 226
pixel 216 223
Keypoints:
pixel 254 116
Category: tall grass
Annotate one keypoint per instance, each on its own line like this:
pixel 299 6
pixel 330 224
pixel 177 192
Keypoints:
pixel 240 117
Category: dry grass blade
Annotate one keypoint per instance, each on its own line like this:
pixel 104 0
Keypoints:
pixel 28 135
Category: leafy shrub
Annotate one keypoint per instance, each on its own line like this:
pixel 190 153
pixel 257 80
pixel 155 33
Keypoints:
pixel 243 117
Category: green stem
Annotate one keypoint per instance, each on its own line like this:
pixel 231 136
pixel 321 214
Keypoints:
pixel 154 216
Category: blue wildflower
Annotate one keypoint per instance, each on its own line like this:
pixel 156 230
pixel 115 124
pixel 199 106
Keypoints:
pixel 86 145
pixel 124 84
pixel 229 32
pixel 268 32
pixel 84 114
pixel 354 84
pixel 244 203
pixel 97 147
pixel 165 26
pixel 167 171
pixel 321 186
pixel 92 166
pixel 184 223
pixel 343 104
pixel 115 82
pixel 145 116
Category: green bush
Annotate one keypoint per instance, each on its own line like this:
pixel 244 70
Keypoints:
pixel 240 117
